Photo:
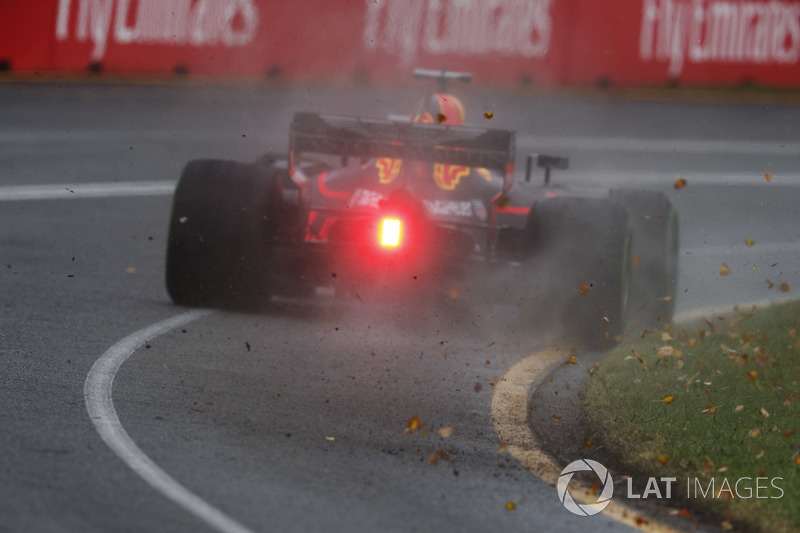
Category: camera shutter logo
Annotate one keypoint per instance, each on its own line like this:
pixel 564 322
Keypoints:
pixel 587 509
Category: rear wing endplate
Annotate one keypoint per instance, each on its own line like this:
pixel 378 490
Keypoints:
pixel 374 138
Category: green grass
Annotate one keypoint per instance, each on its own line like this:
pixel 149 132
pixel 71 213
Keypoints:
pixel 719 399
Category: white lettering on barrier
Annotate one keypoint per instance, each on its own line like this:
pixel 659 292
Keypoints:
pixel 708 31
pixel 173 22
pixel 475 27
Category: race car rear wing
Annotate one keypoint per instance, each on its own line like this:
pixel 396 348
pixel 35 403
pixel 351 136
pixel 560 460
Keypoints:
pixel 373 138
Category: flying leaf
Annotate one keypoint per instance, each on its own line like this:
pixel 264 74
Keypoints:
pixel 638 357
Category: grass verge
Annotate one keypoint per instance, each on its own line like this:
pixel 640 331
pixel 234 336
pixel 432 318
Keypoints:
pixel 713 402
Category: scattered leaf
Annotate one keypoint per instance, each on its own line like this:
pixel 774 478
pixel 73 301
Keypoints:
pixel 749 242
pixel 440 117
pixel 645 333
pixel 680 183
pixel 413 423
pixel 488 115
pixel 764 413
pixel 738 408
pixel 724 270
pixel 556 419
pixel 755 432
pixel 130 270
pixel 510 506
pixel 784 287
pixel 768 176
pixel 663 459
pixel 711 409
pixel 584 289
pixel 503 447
pixel 665 351
pixel 478 386
pixel 446 432
pixel 668 399
pixel 788 433
pixel 636 260
pixel 572 360
pixel 432 459
pixel 330 439
pixel 586 443
pixel 753 374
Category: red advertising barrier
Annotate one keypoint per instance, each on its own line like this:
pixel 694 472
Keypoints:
pixel 540 42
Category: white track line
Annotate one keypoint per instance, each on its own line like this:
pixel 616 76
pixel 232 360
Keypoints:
pixel 100 405
pixel 676 146
pixel 70 191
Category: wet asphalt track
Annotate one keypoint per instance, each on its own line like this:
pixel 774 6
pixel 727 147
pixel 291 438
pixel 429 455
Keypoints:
pixel 294 419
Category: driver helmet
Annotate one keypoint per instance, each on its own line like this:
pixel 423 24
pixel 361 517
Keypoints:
pixel 439 108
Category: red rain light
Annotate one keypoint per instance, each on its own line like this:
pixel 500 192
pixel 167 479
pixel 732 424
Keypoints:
pixel 390 234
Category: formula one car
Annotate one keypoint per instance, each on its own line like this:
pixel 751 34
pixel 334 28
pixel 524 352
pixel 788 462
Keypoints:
pixel 423 207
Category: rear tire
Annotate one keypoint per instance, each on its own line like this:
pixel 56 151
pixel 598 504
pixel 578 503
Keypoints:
pixel 220 233
pixel 655 251
pixel 581 249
